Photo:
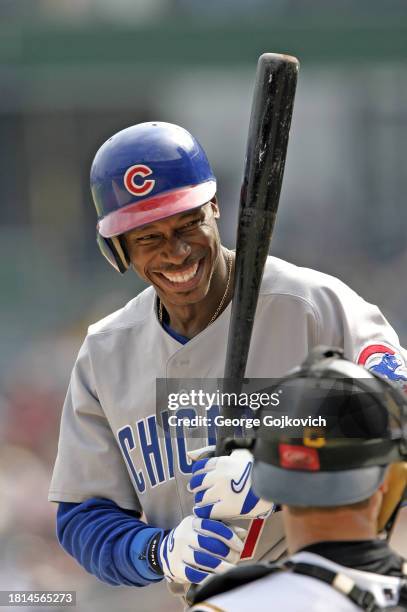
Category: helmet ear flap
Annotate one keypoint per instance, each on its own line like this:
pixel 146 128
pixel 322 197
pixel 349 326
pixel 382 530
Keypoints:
pixel 114 251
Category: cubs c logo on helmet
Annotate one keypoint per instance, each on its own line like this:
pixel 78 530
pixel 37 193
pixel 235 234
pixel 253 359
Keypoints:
pixel 142 189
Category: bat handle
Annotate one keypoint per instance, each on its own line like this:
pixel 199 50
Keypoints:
pixel 225 446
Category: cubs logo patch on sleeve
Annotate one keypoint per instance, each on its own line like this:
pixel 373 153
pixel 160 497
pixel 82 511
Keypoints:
pixel 384 360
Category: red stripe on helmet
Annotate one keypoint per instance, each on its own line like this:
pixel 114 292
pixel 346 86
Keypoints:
pixel 153 209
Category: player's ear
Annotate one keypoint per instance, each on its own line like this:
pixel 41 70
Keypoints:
pixel 215 207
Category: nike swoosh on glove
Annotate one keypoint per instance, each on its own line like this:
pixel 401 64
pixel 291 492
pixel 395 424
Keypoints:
pixel 222 488
pixel 198 548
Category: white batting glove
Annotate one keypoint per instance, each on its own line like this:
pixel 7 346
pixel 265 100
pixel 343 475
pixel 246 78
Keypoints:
pixel 222 487
pixel 198 548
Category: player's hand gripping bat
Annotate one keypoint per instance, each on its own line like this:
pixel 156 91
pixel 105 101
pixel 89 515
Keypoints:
pixel 270 121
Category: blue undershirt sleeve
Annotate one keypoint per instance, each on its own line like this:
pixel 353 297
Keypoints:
pixel 108 541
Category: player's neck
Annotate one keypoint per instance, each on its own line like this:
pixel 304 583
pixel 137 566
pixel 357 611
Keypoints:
pixel 191 319
pixel 316 526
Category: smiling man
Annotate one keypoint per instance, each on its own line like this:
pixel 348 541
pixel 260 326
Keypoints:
pixel 127 509
pixel 183 258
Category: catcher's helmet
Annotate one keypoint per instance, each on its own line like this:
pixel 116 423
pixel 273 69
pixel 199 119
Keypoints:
pixel 144 173
pixel 344 460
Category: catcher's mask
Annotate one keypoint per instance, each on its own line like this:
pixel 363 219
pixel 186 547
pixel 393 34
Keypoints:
pixel 345 460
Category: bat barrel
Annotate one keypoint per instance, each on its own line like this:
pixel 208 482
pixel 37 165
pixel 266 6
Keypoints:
pixel 269 127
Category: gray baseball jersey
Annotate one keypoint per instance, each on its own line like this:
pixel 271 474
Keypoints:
pixel 109 446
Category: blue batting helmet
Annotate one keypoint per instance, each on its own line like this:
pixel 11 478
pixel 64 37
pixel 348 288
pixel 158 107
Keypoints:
pixel 144 173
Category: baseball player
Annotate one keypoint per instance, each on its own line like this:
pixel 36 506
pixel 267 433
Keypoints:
pixel 125 509
pixel 339 487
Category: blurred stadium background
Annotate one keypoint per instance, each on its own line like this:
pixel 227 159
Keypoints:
pixel 75 71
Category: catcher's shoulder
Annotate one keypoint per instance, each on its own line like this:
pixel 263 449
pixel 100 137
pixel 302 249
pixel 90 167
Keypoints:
pixel 223 583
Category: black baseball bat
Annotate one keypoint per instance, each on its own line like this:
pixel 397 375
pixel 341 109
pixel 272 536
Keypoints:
pixel 270 120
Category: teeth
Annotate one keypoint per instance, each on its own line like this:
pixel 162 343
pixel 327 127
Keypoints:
pixel 181 277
